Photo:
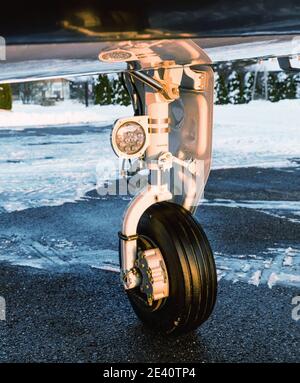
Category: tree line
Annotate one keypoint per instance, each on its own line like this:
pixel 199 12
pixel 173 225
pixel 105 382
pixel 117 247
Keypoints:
pixel 110 90
pixel 232 86
pixel 239 87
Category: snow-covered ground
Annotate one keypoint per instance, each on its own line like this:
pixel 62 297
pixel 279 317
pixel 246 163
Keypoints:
pixel 62 113
pixel 62 161
pixel 51 155
pixel 274 266
pixel 260 133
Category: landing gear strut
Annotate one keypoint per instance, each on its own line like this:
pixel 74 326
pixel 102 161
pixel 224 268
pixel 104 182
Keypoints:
pixel 168 269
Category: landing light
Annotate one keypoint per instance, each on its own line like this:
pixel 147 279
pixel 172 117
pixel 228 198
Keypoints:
pixel 130 137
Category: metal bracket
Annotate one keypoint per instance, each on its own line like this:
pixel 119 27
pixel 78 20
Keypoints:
pixel 285 64
pixel 124 237
pixel 168 90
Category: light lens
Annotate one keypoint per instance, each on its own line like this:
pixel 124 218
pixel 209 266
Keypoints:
pixel 130 138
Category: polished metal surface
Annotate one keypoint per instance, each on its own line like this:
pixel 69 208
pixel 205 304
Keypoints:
pixel 64 38
pixel 41 61
pixel 32 22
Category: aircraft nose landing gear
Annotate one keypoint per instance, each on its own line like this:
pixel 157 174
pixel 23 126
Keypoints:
pixel 168 269
pixel 190 270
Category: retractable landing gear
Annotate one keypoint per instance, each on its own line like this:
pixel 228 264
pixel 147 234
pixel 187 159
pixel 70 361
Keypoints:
pixel 168 268
pixel 188 267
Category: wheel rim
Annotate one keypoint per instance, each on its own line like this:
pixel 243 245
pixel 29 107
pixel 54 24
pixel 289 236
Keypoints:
pixel 145 243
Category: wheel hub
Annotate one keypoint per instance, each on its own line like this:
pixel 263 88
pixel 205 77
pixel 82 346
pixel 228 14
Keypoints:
pixel 155 282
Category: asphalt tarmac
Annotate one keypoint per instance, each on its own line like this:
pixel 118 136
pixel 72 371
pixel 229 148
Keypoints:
pixel 73 312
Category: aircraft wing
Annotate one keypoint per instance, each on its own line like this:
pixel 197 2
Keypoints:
pixel 61 39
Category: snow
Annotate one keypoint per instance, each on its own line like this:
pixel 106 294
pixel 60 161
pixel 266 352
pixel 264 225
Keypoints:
pixel 273 279
pixel 254 280
pixel 46 167
pixel 33 70
pixel 260 133
pixel 288 261
pixel 283 279
pixel 271 65
pixel 53 155
pixel 62 113
pixel 272 47
pixel 261 270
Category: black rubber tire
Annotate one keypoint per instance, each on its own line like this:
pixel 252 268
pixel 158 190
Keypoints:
pixel 190 266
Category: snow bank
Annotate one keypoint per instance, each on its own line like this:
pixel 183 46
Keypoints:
pixel 62 113
pixel 260 133
pixel 263 113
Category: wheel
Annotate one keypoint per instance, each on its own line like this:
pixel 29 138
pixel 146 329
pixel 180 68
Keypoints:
pixel 190 267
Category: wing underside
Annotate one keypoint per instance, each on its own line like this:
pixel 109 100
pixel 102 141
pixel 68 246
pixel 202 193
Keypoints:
pixel 46 61
pixel 60 39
